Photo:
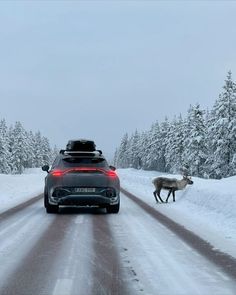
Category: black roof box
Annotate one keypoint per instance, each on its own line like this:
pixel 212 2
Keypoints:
pixel 81 145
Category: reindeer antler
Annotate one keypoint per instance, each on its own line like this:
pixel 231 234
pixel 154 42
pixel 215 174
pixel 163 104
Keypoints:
pixel 184 171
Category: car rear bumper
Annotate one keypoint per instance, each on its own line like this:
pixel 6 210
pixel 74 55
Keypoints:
pixel 85 200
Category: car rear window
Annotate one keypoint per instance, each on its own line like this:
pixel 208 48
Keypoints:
pixel 90 162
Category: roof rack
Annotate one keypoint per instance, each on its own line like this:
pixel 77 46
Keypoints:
pixel 82 153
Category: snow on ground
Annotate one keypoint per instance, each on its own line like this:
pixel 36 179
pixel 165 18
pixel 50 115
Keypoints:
pixel 15 189
pixel 208 207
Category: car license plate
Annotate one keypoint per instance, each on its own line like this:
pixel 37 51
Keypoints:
pixel 85 190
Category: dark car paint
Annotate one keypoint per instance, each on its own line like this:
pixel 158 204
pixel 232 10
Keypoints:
pixel 82 179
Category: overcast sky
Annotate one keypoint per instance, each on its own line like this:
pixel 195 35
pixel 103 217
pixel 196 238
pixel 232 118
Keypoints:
pixel 96 69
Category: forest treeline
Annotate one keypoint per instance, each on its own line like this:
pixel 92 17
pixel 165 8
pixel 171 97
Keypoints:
pixel 203 142
pixel 20 149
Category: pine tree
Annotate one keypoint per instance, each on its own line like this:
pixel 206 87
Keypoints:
pixel 174 147
pixel 163 143
pixel 143 150
pixel 115 159
pixel 152 147
pixel 195 153
pixel 20 149
pixel 222 131
pixel 132 152
pixel 46 151
pixel 4 148
pixel 122 159
pixel 54 153
pixel 204 143
pixel 38 153
pixel 17 148
pixel 29 150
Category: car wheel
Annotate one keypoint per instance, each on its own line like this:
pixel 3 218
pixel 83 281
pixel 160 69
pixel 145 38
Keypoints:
pixel 50 208
pixel 113 208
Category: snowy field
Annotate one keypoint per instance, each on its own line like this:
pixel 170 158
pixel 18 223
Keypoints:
pixel 15 189
pixel 207 207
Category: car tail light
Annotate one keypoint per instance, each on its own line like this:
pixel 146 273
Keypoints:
pixel 57 173
pixel 111 173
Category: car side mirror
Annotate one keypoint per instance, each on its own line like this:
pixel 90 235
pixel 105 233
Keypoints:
pixel 45 168
pixel 112 168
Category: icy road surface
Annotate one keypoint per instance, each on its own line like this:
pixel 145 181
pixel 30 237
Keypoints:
pixel 86 251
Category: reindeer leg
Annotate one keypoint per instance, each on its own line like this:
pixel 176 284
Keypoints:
pixel 155 195
pixel 158 193
pixel 173 192
pixel 168 195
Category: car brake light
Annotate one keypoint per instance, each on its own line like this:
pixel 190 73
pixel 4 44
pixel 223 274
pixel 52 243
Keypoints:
pixel 57 173
pixel 111 173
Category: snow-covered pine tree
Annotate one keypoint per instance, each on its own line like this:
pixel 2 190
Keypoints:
pixel 18 152
pixel 38 154
pixel 222 132
pixel 162 145
pixel 179 136
pixel 132 151
pixel 174 147
pixel 128 153
pixel 115 158
pixel 54 153
pixel 4 148
pixel 122 160
pixel 152 146
pixel 206 145
pixel 195 147
pixel 46 151
pixel 170 147
pixel 29 150
pixel 20 149
pixel 142 150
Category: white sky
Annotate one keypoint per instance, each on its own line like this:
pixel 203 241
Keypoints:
pixel 97 69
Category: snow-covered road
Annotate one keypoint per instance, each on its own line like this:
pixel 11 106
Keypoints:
pixel 206 208
pixel 86 251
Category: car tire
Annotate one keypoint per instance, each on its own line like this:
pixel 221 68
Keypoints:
pixel 50 208
pixel 113 208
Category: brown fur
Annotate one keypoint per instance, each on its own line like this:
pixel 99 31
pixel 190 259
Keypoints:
pixel 170 184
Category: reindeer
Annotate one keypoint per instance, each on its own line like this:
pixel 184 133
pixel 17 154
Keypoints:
pixel 171 184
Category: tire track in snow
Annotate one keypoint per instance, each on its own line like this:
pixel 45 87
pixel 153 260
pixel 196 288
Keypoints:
pixel 34 274
pixel 226 262
pixel 21 206
pixel 108 276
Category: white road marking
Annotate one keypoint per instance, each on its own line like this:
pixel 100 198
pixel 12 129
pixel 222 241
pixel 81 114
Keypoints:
pixel 62 287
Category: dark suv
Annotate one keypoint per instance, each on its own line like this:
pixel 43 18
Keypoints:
pixel 81 178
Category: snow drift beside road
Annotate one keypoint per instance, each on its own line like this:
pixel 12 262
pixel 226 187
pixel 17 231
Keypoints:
pixel 208 207
pixel 15 189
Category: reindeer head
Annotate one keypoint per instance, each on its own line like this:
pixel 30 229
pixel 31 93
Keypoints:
pixel 188 179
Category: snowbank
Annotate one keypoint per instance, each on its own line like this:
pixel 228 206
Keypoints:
pixel 15 189
pixel 208 207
